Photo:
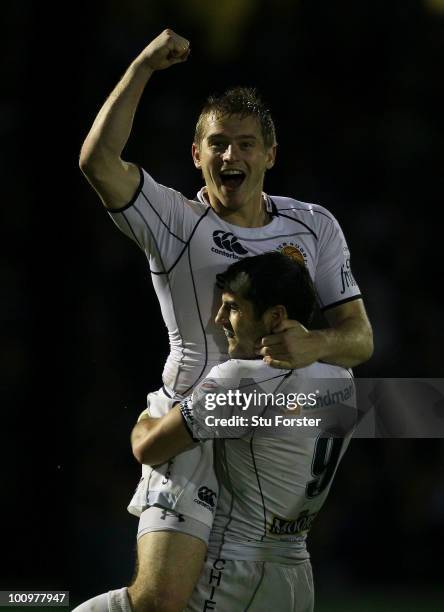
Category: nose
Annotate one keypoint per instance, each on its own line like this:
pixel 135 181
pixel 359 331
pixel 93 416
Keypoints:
pixel 221 317
pixel 230 153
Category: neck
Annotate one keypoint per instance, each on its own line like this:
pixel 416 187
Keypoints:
pixel 255 215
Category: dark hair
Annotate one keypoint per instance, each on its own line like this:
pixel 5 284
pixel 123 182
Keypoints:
pixel 243 101
pixel 271 279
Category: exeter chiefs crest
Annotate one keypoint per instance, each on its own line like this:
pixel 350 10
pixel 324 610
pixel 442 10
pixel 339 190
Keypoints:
pixel 297 253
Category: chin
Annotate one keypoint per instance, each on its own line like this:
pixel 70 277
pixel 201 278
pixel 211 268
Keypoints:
pixel 232 199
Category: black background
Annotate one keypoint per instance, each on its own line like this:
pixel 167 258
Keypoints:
pixel 355 89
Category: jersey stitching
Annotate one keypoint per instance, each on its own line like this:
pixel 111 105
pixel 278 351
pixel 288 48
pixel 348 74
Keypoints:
pixel 256 589
pixel 259 485
pixel 154 240
pixel 274 236
pixel 301 222
pixel 312 210
pixel 201 324
pixel 230 489
pixel 181 337
pixel 185 246
pixel 132 232
pixel 349 299
pixel 258 382
pixel 133 199
pixel 187 426
pixel 284 376
pixel 161 220
pixel 147 495
pixel 274 209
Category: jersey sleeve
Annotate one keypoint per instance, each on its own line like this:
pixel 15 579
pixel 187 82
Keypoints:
pixel 159 220
pixel 213 410
pixel 334 280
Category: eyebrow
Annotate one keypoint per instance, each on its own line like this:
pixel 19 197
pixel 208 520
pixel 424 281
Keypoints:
pixel 229 302
pixel 240 137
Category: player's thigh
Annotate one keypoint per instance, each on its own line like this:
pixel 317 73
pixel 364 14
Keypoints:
pixel 236 586
pixel 227 585
pixel 169 564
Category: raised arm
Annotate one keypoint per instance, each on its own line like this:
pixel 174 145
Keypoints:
pixel 114 179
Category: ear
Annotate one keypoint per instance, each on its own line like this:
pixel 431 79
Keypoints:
pixel 195 152
pixel 274 316
pixel 271 157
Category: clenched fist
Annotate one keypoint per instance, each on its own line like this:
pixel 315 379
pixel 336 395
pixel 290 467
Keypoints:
pixel 167 49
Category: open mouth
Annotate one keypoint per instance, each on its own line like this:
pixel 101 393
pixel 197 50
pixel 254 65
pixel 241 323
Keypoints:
pixel 232 179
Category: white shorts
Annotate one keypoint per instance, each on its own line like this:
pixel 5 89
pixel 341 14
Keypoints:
pixel 160 519
pixel 256 586
pixel 186 484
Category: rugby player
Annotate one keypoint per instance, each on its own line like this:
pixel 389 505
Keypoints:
pixel 187 243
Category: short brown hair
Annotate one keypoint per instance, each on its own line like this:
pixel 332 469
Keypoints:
pixel 272 279
pixel 242 101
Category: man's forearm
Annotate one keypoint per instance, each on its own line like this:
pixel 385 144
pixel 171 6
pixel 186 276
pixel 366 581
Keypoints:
pixel 155 441
pixel 112 126
pixel 347 344
pixel 115 180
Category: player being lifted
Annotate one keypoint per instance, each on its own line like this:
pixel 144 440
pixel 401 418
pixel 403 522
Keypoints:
pixel 187 243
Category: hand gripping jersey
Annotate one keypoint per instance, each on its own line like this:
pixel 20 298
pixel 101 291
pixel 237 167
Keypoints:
pixel 187 245
pixel 273 480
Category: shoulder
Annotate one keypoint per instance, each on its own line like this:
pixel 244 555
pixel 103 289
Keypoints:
pixel 223 371
pixel 297 208
pixel 316 218
pixel 323 370
pixel 235 370
pixel 153 192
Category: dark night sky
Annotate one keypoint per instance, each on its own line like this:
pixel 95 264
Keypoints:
pixel 355 89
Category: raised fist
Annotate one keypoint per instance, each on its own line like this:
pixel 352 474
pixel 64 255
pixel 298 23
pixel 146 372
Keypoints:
pixel 167 49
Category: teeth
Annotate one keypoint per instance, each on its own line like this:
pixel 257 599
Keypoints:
pixel 233 172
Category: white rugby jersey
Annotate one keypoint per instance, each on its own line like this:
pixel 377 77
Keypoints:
pixel 187 244
pixel 272 487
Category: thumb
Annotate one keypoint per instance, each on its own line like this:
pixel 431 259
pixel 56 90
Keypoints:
pixel 280 364
pixel 181 55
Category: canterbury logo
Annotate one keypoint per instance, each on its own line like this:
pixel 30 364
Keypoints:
pixel 206 495
pixel 229 242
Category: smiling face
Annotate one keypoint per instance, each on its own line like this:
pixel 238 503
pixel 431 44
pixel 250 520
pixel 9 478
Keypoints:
pixel 233 159
pixel 237 318
pixel 243 328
